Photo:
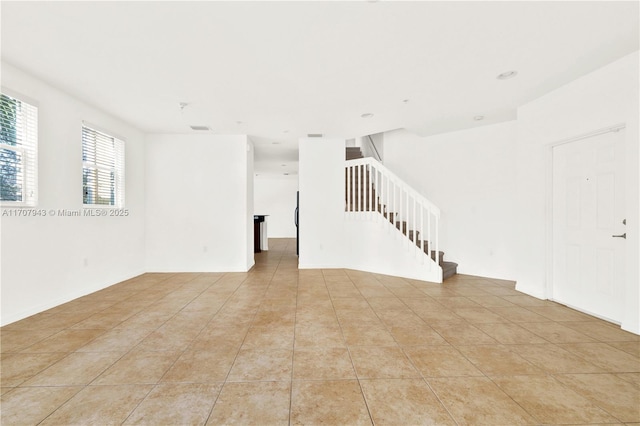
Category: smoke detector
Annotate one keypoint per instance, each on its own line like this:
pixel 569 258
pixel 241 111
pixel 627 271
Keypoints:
pixel 507 75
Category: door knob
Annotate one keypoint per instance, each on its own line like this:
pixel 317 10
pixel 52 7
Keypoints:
pixel 620 236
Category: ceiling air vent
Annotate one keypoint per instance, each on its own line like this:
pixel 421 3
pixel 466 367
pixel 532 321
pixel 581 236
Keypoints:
pixel 314 135
pixel 200 128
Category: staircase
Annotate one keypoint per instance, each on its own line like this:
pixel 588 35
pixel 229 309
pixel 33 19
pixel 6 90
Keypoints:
pixel 354 152
pixel 413 216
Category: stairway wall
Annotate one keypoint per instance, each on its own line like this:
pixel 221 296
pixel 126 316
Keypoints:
pixel 470 176
pixel 328 239
pixel 380 248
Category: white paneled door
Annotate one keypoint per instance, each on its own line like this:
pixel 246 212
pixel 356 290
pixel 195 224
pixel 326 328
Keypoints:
pixel 588 224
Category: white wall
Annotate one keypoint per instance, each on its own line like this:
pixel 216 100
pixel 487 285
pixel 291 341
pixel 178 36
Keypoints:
pixel 321 182
pixel 49 260
pixel 470 176
pixel 275 195
pixel 198 196
pixel 605 97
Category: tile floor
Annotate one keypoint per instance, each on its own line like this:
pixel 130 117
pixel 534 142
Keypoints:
pixel 335 347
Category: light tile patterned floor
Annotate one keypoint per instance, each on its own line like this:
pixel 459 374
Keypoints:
pixel 281 346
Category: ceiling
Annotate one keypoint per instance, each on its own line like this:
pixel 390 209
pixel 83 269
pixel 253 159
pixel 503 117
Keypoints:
pixel 278 71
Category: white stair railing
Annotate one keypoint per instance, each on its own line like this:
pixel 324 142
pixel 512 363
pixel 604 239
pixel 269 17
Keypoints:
pixel 373 192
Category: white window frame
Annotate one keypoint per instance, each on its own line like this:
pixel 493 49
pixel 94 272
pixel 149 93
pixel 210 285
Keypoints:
pixel 117 169
pixel 28 150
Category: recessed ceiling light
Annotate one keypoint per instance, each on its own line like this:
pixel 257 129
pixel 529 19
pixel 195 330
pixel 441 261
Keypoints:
pixel 478 117
pixel 367 115
pixel 286 174
pixel 283 165
pixel 239 122
pixel 200 127
pixel 285 131
pixel 275 143
pixel 406 101
pixel 507 75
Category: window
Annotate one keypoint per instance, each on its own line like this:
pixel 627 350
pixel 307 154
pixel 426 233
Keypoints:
pixel 102 169
pixel 18 152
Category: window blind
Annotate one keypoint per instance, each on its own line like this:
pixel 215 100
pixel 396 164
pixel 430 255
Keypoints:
pixel 102 169
pixel 18 151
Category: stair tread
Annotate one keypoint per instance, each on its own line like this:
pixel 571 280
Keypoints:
pixel 353 153
pixel 449 269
